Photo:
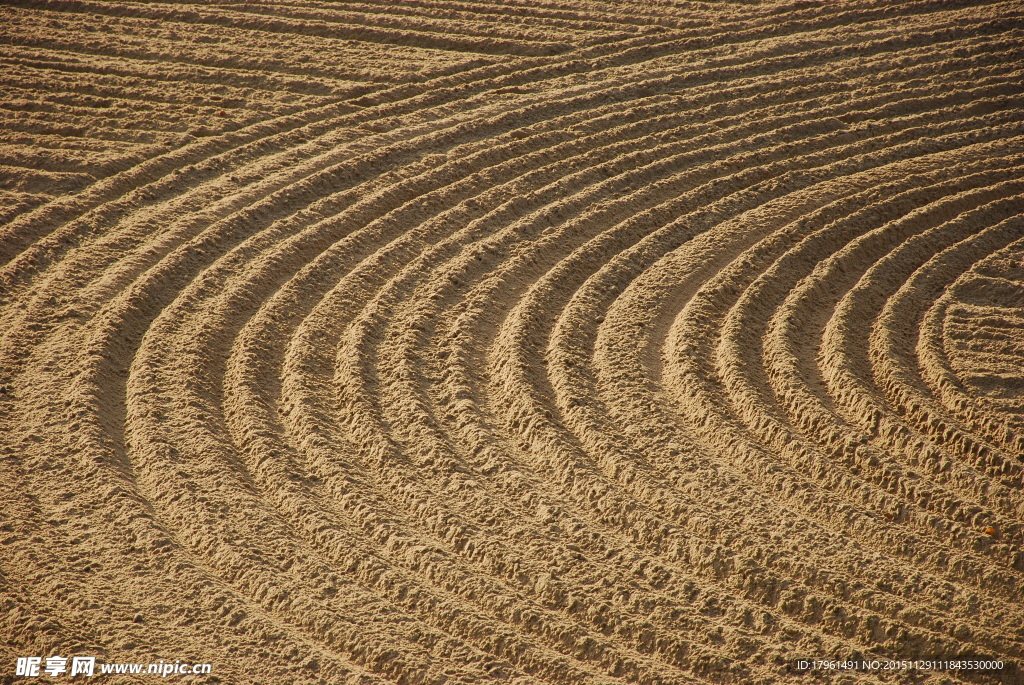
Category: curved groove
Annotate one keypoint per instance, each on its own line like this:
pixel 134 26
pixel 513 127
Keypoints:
pixel 543 342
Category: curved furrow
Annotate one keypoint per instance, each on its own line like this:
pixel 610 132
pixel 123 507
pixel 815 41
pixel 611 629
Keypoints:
pixel 548 294
pixel 749 319
pixel 437 456
pixel 967 224
pixel 375 269
pixel 989 296
pixel 707 316
pixel 324 30
pixel 386 114
pixel 810 415
pixel 574 398
pixel 527 72
pixel 893 349
pixel 936 371
pixel 732 344
pixel 146 198
pixel 321 166
pixel 690 349
pixel 983 206
pixel 156 459
pixel 447 342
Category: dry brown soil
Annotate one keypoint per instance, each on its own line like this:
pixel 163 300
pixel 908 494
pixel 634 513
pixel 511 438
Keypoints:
pixel 526 341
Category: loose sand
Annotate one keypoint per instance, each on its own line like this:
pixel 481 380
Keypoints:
pixel 519 341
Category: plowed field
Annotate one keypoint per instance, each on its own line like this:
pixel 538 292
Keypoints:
pixel 438 342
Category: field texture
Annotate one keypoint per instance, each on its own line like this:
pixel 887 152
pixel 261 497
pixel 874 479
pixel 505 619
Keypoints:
pixel 531 341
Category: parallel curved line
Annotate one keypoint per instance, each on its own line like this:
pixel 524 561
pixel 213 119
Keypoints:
pixel 532 342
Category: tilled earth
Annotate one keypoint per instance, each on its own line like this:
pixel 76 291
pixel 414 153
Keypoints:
pixel 437 342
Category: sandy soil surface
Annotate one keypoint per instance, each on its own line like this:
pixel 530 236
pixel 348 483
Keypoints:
pixel 462 341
